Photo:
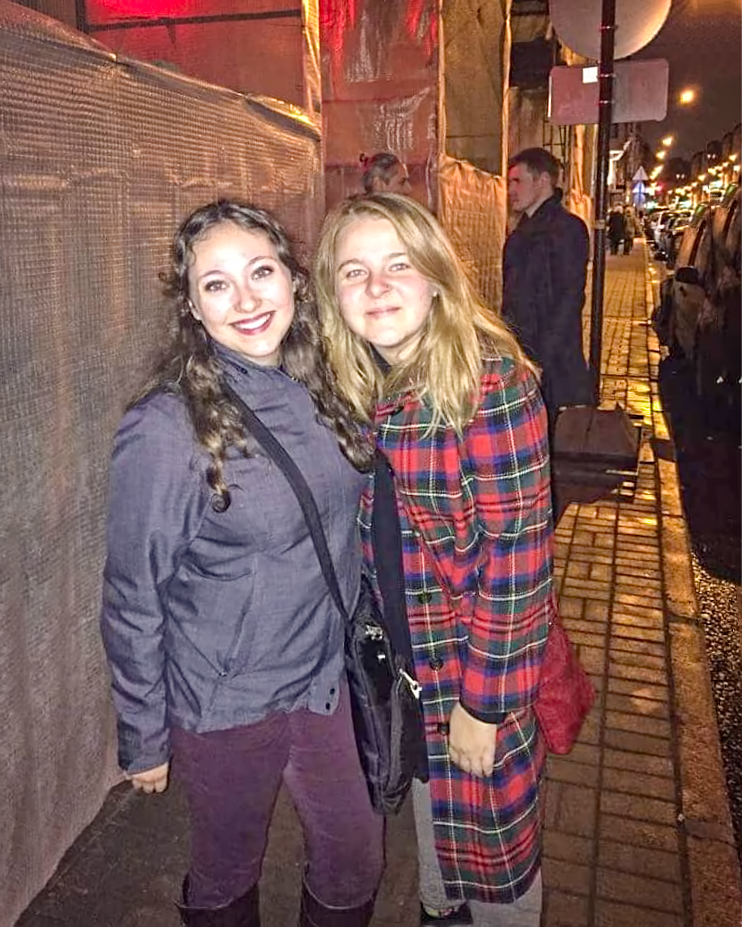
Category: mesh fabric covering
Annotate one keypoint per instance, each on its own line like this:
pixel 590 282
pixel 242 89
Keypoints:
pixel 472 208
pixel 380 87
pixel 476 62
pixel 101 159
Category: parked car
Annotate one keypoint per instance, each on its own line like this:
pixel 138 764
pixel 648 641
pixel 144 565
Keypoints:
pixel 655 222
pixel 683 293
pixel 718 352
pixel 699 314
pixel 672 234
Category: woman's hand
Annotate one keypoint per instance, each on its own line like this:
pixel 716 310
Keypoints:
pixel 150 780
pixel 471 742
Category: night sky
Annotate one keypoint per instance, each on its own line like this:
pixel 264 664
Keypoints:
pixel 701 39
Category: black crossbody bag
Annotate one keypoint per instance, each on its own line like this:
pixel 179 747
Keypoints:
pixel 384 696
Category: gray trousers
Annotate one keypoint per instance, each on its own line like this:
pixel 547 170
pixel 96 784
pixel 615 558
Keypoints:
pixel 525 912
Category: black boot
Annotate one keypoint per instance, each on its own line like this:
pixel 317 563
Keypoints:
pixel 242 912
pixel 459 917
pixel 315 914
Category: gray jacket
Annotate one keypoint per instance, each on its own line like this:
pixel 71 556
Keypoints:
pixel 214 619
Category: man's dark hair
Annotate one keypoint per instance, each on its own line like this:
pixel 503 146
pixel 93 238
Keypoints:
pixel 538 161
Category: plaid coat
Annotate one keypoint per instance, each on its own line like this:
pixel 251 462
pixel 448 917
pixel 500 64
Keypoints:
pixel 477 555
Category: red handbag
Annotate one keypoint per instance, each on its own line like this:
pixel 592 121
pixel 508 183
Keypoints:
pixel 565 693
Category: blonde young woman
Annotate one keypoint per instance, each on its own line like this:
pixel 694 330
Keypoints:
pixel 458 413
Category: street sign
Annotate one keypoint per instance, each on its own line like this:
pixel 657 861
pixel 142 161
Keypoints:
pixel 639 194
pixel 577 23
pixel 639 93
pixel 640 176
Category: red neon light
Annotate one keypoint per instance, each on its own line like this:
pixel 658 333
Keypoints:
pixel 150 9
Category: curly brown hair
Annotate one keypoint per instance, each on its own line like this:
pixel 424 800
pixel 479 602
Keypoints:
pixel 190 367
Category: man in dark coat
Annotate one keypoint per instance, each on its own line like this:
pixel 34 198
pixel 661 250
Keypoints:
pixel 616 229
pixel 544 271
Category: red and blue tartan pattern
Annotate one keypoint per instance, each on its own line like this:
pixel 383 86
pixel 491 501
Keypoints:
pixel 475 512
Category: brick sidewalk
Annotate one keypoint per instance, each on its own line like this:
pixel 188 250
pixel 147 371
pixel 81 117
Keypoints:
pixel 638 831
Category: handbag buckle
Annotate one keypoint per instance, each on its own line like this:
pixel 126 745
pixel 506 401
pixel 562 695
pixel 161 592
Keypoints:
pixel 414 685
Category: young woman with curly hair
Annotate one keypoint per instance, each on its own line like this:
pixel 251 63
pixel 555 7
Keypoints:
pixel 225 647
pixel 457 411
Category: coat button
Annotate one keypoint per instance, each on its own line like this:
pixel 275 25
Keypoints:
pixel 442 728
pixel 424 597
pixel 435 663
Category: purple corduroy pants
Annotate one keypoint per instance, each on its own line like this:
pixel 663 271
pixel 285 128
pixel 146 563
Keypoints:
pixel 232 778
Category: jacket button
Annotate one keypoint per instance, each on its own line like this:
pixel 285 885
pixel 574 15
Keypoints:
pixel 220 503
pixel 442 728
pixel 435 663
pixel 424 597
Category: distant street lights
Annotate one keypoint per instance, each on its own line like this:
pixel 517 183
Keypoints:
pixel 668 140
pixel 687 96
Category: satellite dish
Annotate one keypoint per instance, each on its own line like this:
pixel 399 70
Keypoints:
pixel 577 23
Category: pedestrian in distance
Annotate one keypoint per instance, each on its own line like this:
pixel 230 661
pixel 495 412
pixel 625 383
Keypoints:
pixel 544 276
pixel 617 229
pixel 226 649
pixel 384 172
pixel 631 230
pixel 457 412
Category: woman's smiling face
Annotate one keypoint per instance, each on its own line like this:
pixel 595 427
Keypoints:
pixel 241 292
pixel 383 298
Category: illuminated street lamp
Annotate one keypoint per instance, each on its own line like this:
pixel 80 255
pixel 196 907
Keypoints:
pixel 668 140
pixel 687 96
pixel 661 155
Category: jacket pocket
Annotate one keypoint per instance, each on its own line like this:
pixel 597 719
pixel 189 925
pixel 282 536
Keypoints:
pixel 208 619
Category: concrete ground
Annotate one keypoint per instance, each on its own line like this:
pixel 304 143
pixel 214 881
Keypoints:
pixel 637 821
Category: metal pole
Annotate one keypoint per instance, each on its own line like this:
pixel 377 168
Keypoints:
pixel 605 113
pixel 81 16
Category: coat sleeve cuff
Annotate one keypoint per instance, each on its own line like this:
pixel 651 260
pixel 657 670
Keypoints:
pixel 140 750
pixel 489 717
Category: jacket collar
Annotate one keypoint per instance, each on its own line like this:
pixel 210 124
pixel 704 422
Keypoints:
pixel 240 371
pixel 389 404
pixel 545 211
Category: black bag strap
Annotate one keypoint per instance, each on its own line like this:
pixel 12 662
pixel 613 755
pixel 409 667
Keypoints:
pixel 273 447
pixel 386 541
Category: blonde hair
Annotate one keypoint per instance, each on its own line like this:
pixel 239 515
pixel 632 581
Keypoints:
pixel 459 334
